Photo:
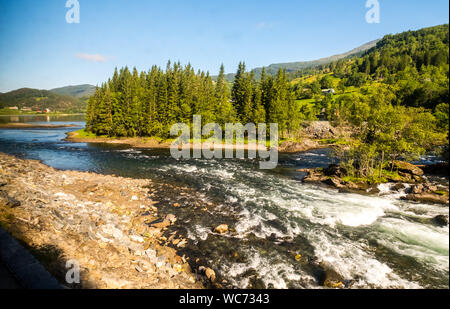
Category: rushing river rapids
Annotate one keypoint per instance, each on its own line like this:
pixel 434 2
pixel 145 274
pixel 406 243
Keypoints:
pixel 372 241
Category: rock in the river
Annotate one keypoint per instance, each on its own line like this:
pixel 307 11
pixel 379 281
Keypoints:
pixel 441 220
pixel 427 198
pixel 330 278
pixel 221 229
pixel 408 168
pixel 335 182
pixel 417 189
pixel 210 274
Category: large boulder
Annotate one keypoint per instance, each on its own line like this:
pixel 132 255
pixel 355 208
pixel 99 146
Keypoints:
pixel 408 168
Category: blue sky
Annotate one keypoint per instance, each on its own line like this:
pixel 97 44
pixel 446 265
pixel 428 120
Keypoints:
pixel 40 50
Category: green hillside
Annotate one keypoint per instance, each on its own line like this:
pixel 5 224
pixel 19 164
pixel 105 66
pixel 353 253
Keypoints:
pixel 78 91
pixel 41 99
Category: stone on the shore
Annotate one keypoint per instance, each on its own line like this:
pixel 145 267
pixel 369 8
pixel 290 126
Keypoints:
pixel 221 229
pixel 171 218
pixel 8 201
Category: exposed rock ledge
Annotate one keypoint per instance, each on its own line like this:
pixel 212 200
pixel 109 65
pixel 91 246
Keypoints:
pixel 103 222
pixel 420 190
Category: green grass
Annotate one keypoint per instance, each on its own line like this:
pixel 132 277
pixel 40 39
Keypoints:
pixel 371 179
pixel 386 175
pixel 334 141
pixel 84 134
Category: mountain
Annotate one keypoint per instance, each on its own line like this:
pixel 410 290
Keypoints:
pixel 41 99
pixel 78 91
pixel 297 66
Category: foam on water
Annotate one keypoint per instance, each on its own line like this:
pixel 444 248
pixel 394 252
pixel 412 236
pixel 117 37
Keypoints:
pixel 293 201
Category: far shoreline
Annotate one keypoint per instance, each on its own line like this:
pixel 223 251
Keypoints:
pixel 154 143
pixel 20 125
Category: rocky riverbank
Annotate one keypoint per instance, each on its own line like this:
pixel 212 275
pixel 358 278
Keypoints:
pixel 110 225
pixel 408 178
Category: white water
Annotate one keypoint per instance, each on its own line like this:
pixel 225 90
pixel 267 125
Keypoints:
pixel 324 217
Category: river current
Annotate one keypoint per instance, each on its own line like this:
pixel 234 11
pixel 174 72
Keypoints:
pixel 373 241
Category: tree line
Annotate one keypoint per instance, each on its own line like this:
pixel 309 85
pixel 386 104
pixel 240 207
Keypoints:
pixel 135 104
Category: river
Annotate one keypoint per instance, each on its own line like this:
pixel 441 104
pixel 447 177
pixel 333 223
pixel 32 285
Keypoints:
pixel 373 241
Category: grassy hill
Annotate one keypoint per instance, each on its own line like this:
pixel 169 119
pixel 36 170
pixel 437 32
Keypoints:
pixel 41 99
pixel 78 91
pixel 409 69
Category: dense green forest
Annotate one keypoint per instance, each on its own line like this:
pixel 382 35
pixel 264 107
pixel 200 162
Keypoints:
pixel 149 103
pixel 394 96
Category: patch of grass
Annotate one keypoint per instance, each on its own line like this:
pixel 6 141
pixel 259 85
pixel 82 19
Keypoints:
pixel 84 134
pixel 371 179
pixel 334 141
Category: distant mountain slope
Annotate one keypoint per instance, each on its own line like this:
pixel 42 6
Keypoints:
pixel 78 91
pixel 41 99
pixel 297 66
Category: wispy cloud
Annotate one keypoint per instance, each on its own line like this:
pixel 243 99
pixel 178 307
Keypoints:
pixel 92 57
pixel 263 25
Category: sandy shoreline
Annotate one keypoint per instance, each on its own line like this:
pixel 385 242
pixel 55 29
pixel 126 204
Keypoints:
pixel 109 224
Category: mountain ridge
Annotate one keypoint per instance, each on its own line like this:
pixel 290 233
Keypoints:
pixel 300 65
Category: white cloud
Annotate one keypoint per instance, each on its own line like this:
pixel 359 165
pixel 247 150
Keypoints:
pixel 92 57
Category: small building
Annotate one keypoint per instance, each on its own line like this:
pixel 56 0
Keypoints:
pixel 13 108
pixel 328 91
pixel 46 110
pixel 26 109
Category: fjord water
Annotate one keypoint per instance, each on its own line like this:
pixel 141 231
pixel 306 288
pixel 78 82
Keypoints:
pixel 374 241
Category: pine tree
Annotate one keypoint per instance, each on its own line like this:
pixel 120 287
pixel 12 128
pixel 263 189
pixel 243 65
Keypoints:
pixel 224 111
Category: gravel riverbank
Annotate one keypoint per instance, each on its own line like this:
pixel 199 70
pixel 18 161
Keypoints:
pixel 110 225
